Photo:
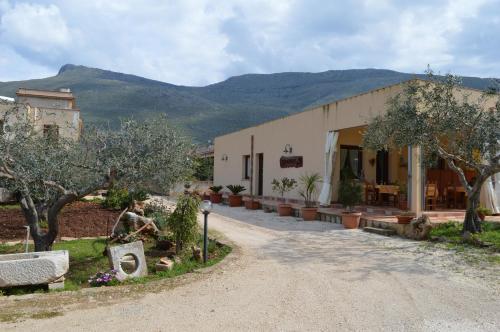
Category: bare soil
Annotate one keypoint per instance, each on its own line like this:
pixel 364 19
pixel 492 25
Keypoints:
pixel 79 219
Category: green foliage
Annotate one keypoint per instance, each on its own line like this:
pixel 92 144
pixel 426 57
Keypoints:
pixel 452 232
pixel 159 213
pixel 204 169
pixel 216 189
pixel 183 221
pixel 308 188
pixel 117 199
pixel 484 211
pixel 284 185
pixel 235 189
pixel 350 193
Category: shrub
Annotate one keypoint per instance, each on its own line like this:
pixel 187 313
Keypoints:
pixel 484 211
pixel 350 193
pixel 235 189
pixel 284 185
pixel 183 221
pixel 215 189
pixel 117 199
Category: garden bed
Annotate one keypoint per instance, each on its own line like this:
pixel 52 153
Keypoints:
pixel 77 220
pixel 86 259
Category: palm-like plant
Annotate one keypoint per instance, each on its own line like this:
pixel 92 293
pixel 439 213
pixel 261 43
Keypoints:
pixel 215 189
pixel 235 189
pixel 308 189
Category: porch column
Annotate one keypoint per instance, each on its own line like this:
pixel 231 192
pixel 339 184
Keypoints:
pixel 415 178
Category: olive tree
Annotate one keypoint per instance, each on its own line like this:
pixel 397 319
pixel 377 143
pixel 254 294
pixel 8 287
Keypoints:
pixel 445 121
pixel 48 173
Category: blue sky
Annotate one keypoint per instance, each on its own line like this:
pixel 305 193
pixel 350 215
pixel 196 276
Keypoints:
pixel 198 42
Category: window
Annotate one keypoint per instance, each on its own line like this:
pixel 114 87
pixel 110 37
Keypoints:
pixel 351 162
pixel 246 167
pixel 51 132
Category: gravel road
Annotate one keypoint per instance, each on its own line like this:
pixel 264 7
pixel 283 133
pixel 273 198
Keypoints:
pixel 289 275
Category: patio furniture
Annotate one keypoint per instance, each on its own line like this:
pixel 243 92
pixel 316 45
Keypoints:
pixel 431 196
pixel 389 191
pixel 370 194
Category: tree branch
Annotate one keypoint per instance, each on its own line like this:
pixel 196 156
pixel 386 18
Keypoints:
pixel 448 156
pixel 461 175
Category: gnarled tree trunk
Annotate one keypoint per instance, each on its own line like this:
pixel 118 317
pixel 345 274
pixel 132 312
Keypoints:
pixel 472 223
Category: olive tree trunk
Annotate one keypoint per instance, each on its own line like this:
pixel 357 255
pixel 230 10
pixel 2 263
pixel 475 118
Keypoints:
pixel 472 223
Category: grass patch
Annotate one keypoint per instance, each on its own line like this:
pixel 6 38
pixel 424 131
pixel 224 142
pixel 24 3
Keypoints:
pixel 484 246
pixel 46 314
pixel 9 206
pixel 86 259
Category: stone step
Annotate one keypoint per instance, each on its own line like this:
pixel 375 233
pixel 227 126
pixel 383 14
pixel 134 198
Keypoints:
pixel 379 231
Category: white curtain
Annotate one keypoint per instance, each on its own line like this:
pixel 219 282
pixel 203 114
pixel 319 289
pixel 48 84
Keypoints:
pixel 490 193
pixel 330 155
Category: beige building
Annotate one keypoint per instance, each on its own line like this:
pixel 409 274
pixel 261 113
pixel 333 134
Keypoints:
pixel 53 112
pixel 297 144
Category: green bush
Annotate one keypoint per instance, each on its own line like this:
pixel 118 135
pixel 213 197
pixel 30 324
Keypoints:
pixel 183 221
pixel 350 193
pixel 117 199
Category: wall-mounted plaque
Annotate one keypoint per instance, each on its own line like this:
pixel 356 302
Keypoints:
pixel 289 162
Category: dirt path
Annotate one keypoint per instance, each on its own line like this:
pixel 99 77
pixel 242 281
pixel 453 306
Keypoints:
pixel 315 276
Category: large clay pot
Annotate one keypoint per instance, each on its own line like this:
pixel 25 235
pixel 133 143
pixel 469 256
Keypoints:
pixel 405 219
pixel 235 200
pixel 350 220
pixel 284 210
pixel 215 198
pixel 252 205
pixel 309 213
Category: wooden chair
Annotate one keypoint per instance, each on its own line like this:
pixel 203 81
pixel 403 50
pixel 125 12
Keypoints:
pixel 370 194
pixel 431 196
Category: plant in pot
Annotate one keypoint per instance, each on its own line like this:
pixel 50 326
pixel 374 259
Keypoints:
pixel 405 217
pixel 482 212
pixel 308 191
pixel 235 198
pixel 215 194
pixel 283 186
pixel 350 195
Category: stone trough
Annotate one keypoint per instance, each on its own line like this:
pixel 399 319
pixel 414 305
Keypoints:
pixel 34 268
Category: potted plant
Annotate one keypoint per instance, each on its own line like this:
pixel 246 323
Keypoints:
pixel 283 186
pixel 308 192
pixel 235 199
pixel 252 204
pixel 350 195
pixel 405 217
pixel 215 195
pixel 482 212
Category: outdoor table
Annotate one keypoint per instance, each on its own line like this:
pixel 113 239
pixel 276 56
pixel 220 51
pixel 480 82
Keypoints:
pixel 384 189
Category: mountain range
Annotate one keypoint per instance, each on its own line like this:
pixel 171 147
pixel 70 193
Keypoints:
pixel 212 110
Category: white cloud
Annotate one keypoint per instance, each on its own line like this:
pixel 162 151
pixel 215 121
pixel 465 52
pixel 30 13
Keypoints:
pixel 197 42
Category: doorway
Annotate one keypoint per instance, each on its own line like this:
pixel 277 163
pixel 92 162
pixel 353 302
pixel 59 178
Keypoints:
pixel 260 174
pixel 382 167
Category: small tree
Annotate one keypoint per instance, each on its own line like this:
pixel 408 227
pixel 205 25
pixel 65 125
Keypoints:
pixel 182 222
pixel 350 193
pixel 308 188
pixel 284 185
pixel 47 174
pixel 444 121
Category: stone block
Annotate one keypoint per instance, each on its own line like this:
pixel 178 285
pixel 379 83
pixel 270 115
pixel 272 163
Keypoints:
pixel 34 268
pixel 118 254
pixel 164 264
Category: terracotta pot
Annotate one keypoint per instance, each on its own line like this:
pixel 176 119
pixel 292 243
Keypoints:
pixel 404 219
pixel 215 198
pixel 235 200
pixel 284 210
pixel 309 213
pixel 206 197
pixel 350 220
pixel 252 205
